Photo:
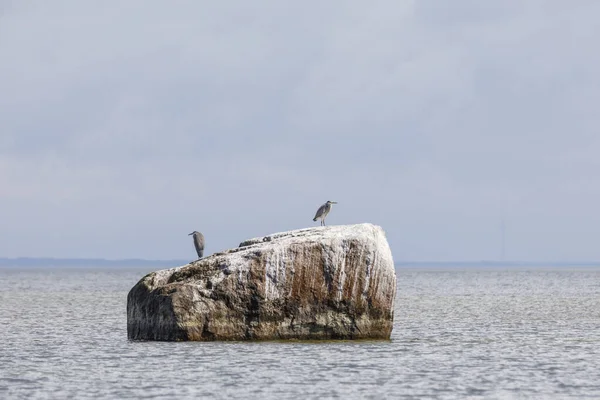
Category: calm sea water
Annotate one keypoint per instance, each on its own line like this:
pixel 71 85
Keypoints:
pixel 457 334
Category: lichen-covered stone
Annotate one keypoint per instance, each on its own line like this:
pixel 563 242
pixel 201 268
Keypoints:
pixel 334 282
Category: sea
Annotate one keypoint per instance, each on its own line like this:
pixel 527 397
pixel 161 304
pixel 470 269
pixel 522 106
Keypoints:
pixel 459 333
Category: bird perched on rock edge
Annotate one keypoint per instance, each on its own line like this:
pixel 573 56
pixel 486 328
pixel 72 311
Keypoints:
pixel 198 242
pixel 323 211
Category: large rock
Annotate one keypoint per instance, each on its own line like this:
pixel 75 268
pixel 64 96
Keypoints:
pixel 334 282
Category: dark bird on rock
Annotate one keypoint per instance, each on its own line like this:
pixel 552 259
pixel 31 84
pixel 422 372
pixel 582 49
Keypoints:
pixel 198 242
pixel 323 211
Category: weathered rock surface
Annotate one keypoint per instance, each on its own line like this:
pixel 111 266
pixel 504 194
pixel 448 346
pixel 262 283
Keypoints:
pixel 334 282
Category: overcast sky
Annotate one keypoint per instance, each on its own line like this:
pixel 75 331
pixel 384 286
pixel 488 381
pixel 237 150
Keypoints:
pixel 125 125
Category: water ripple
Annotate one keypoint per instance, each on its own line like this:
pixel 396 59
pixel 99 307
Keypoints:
pixel 457 334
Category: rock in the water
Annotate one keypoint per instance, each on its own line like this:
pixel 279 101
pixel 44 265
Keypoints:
pixel 334 282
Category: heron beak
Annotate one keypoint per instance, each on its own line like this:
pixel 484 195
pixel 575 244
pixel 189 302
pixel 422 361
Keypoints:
pixel 189 234
pixel 334 202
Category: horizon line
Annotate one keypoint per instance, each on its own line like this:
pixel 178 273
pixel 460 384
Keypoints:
pixel 403 262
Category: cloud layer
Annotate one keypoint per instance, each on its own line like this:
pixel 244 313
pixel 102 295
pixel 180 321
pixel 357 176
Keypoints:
pixel 123 128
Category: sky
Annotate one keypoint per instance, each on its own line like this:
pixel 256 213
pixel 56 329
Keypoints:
pixel 124 126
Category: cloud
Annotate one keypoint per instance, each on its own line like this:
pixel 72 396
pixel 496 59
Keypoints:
pixel 123 128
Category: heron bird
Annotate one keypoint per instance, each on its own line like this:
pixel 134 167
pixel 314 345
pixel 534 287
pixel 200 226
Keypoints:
pixel 198 242
pixel 323 211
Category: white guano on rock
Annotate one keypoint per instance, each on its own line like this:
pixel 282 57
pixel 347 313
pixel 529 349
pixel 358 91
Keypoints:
pixel 334 282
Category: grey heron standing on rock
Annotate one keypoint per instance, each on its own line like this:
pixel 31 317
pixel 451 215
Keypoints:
pixel 323 211
pixel 198 242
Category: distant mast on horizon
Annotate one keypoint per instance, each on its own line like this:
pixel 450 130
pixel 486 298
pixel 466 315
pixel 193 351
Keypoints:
pixel 502 240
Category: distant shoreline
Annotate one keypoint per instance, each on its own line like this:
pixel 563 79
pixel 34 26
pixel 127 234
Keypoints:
pixel 33 262
pixel 403 264
pixel 27 262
